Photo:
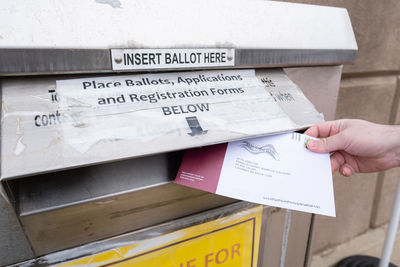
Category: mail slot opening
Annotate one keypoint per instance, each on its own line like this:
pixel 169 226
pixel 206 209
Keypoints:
pixel 105 200
pixel 57 189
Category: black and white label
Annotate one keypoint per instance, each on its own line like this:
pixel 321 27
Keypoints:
pixel 142 59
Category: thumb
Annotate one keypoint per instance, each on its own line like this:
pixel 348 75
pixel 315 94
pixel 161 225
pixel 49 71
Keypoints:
pixel 326 145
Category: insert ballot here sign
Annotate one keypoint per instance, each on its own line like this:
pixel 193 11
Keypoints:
pixel 141 59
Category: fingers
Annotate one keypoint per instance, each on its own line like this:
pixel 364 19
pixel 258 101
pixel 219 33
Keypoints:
pixel 331 131
pixel 344 162
pixel 324 129
pixel 347 170
pixel 350 166
pixel 327 145
pixel 332 140
pixel 337 160
pixel 312 131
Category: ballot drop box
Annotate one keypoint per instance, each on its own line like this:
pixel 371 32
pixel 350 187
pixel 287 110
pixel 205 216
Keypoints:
pixel 100 99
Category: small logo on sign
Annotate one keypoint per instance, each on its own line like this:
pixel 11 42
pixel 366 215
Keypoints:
pixel 255 149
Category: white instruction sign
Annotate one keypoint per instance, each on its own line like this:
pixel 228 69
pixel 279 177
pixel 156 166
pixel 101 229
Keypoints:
pixel 157 105
pixel 49 125
pixel 142 59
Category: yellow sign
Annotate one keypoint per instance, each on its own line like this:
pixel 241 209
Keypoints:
pixel 228 241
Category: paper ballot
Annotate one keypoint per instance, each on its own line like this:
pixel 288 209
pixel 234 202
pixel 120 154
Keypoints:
pixel 275 170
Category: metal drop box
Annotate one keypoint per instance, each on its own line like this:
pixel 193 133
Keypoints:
pixel 56 208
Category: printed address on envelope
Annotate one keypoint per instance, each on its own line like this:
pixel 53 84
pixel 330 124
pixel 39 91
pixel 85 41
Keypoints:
pixel 275 170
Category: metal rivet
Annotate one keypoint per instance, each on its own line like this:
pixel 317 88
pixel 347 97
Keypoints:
pixel 230 58
pixel 118 60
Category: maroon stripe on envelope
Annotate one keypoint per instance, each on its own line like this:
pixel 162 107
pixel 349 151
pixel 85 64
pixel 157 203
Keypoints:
pixel 201 167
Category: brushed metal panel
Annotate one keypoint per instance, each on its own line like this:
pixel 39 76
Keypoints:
pixel 41 61
pixel 79 224
pixel 71 208
pixel 14 246
pixel 66 61
pixel 320 85
pixel 61 189
pixel 155 24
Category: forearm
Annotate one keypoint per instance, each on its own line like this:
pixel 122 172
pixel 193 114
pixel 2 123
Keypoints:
pixel 392 139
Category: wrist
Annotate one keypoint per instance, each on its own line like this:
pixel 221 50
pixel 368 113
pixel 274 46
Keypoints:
pixel 394 137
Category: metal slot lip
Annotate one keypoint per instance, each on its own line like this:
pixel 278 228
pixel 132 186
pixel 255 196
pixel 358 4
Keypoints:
pixel 106 199
pixel 69 61
pixel 74 225
pixel 93 184
pixel 50 61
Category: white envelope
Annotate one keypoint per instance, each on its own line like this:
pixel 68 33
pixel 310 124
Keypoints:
pixel 276 170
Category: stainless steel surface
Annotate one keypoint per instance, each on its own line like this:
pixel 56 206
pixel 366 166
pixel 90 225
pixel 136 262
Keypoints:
pixel 57 61
pixel 309 251
pixel 14 246
pixel 62 189
pixel 44 61
pixel 76 36
pixel 293 57
pixel 392 230
pixel 63 210
pixel 82 223
pixel 320 85
pixel 175 23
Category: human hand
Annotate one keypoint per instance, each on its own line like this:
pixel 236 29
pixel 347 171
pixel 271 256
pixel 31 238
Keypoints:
pixel 357 145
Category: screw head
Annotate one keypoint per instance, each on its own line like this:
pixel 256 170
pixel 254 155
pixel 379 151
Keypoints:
pixel 118 60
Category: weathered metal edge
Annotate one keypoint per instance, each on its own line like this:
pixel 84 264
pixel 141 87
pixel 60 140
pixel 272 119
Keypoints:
pixel 15 62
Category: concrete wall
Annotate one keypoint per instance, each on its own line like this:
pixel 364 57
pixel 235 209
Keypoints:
pixel 370 90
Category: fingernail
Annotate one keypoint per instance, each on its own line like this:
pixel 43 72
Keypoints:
pixel 346 171
pixel 312 144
